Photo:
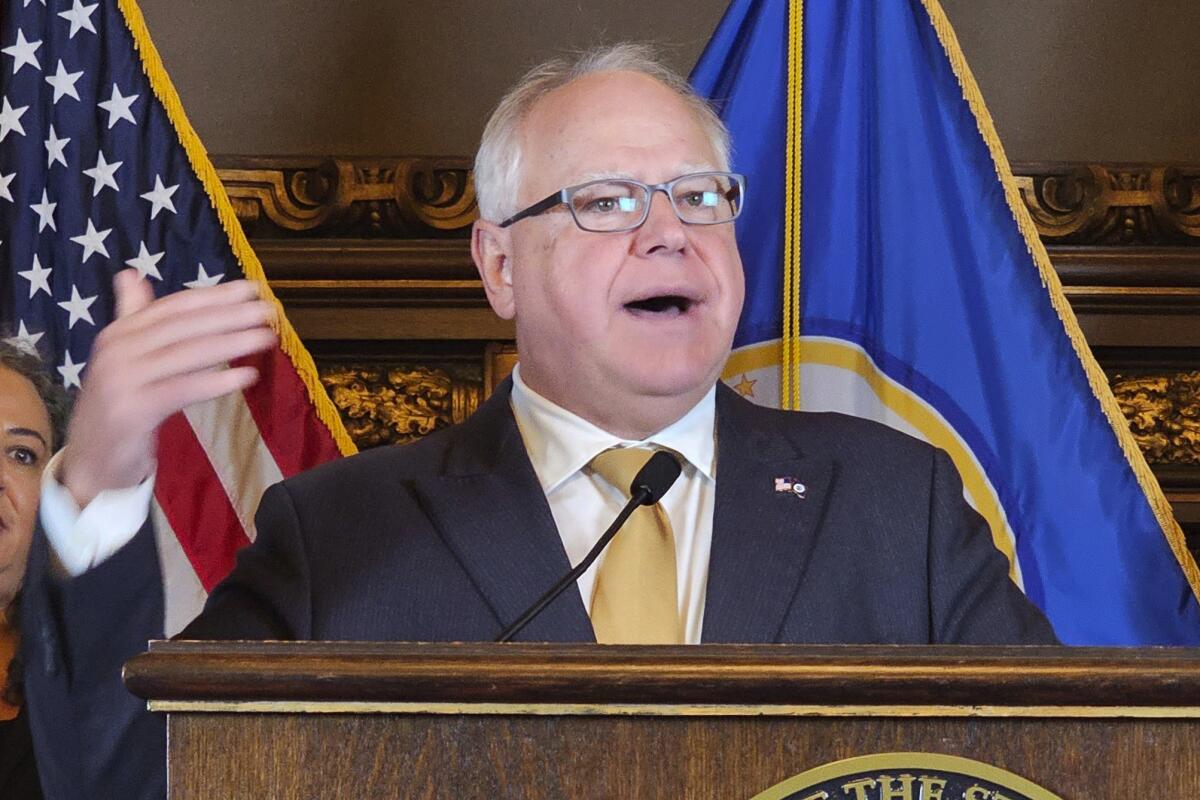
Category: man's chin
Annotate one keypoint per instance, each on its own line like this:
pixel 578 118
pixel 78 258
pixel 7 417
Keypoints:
pixel 665 383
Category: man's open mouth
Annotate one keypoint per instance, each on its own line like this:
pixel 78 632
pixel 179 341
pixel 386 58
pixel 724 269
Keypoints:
pixel 664 305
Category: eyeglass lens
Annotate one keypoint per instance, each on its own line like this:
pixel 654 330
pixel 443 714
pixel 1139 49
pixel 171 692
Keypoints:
pixel 616 204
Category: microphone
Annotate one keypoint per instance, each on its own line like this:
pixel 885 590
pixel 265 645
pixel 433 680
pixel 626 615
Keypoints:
pixel 648 486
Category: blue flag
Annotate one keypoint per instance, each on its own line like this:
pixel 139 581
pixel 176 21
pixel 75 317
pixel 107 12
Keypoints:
pixel 894 273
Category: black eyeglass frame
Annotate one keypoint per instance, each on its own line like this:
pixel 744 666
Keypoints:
pixel 563 197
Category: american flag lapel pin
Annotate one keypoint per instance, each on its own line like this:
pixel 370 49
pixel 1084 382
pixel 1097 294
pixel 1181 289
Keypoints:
pixel 790 486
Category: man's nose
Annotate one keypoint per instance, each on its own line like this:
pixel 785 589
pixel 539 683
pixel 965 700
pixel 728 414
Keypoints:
pixel 663 231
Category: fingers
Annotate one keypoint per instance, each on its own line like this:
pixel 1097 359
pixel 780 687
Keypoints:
pixel 146 328
pixel 199 354
pixel 144 338
pixel 140 362
pixel 135 314
pixel 212 299
pixel 133 293
pixel 180 391
pixel 205 297
pixel 158 357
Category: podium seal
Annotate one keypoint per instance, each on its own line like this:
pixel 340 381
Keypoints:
pixel 906 776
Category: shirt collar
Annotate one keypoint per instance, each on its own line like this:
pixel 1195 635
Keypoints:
pixel 561 443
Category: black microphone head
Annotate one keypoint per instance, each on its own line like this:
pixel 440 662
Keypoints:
pixel 656 477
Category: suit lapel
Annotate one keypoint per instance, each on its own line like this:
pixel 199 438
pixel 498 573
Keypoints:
pixel 490 510
pixel 762 535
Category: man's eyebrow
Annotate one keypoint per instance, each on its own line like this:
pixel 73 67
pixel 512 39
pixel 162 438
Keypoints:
pixel 605 175
pixel 688 169
pixel 27 432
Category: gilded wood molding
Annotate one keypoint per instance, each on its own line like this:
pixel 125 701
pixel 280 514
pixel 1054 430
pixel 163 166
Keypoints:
pixel 434 197
pixel 1164 414
pixel 389 198
pixel 1113 204
pixel 397 403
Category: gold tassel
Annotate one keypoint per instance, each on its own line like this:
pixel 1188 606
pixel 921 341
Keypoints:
pixel 789 368
pixel 1033 242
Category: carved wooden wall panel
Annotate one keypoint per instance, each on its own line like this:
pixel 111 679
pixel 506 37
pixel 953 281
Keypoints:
pixel 1164 414
pixel 371 257
pixel 1096 204
pixel 396 403
pixel 349 198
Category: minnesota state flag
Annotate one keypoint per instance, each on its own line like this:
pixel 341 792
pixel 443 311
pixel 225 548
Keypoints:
pixel 893 273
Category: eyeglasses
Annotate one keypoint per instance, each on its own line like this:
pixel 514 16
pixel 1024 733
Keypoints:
pixel 615 205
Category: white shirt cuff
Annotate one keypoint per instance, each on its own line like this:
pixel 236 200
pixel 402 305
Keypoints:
pixel 81 540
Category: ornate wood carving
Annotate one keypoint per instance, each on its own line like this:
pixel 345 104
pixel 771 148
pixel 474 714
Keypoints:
pixel 393 198
pixel 1103 204
pixel 393 404
pixel 421 198
pixel 1164 414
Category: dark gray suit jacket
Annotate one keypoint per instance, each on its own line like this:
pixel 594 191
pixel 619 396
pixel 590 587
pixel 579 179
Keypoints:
pixel 451 538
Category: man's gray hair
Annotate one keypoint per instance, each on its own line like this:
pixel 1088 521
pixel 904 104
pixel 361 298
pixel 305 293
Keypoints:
pixel 498 162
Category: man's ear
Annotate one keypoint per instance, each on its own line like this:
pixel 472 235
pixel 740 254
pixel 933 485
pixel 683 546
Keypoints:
pixel 491 248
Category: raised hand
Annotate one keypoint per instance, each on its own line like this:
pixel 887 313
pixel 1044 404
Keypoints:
pixel 156 358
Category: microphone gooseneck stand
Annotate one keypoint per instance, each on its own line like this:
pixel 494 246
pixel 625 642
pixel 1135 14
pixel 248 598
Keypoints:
pixel 648 486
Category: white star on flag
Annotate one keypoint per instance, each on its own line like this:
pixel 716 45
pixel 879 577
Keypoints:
pixel 160 197
pixel 80 17
pixel 118 107
pixel 5 180
pixel 56 149
pixel 70 371
pixel 23 53
pixel 10 119
pixel 103 174
pixel 26 3
pixel 26 340
pixel 63 82
pixel 38 277
pixel 45 212
pixel 146 263
pixel 204 279
pixel 78 307
pixel 92 241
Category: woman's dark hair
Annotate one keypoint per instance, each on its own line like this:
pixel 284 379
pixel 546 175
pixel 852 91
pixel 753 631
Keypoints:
pixel 58 405
pixel 49 389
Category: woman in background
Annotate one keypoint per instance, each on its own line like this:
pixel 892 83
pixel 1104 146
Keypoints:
pixel 33 418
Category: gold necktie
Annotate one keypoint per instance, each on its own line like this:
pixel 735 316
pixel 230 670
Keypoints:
pixel 636 600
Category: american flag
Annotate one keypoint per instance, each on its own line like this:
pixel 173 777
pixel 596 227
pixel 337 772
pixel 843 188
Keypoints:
pixel 101 171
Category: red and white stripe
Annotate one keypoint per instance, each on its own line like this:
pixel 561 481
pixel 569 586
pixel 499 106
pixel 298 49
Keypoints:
pixel 215 460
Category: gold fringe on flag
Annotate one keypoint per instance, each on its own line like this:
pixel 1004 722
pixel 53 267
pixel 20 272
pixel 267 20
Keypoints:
pixel 1095 375
pixel 289 342
pixel 789 368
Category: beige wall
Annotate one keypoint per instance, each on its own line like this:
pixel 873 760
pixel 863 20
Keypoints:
pixel 1065 79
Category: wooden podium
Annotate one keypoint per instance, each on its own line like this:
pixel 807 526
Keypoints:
pixel 350 720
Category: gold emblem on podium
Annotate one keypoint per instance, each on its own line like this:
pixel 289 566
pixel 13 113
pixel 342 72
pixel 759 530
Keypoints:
pixel 906 776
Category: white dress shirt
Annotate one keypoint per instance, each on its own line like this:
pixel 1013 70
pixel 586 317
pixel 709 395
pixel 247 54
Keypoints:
pixel 560 444
pixel 82 539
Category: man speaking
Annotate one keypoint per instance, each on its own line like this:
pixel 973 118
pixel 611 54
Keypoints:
pixel 606 233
